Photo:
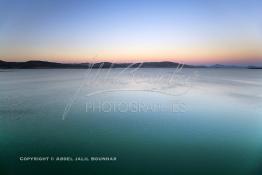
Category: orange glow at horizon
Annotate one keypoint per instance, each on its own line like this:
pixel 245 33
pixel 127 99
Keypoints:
pixel 187 55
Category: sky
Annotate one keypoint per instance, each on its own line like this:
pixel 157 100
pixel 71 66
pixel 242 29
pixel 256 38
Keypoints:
pixel 186 31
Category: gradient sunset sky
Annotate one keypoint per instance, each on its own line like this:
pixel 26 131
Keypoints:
pixel 187 31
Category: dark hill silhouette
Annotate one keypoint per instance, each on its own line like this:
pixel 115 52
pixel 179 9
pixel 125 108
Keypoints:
pixel 35 64
pixel 254 67
pixel 54 65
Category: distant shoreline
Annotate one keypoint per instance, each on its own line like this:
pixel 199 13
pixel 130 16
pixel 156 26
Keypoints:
pixel 106 65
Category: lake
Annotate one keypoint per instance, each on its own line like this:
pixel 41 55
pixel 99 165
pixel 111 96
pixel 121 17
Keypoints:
pixel 153 121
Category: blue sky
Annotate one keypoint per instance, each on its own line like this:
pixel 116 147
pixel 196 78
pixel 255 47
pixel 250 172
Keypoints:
pixel 193 31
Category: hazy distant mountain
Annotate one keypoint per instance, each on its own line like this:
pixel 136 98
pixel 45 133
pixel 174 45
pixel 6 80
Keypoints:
pixel 254 67
pixel 45 65
pixel 225 66
pixel 54 65
pixel 37 64
pixel 163 64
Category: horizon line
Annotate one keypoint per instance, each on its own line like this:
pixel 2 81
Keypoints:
pixel 135 62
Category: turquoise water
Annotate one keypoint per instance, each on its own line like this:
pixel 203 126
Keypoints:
pixel 215 129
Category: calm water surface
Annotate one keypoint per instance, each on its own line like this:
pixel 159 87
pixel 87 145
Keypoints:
pixel 216 127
